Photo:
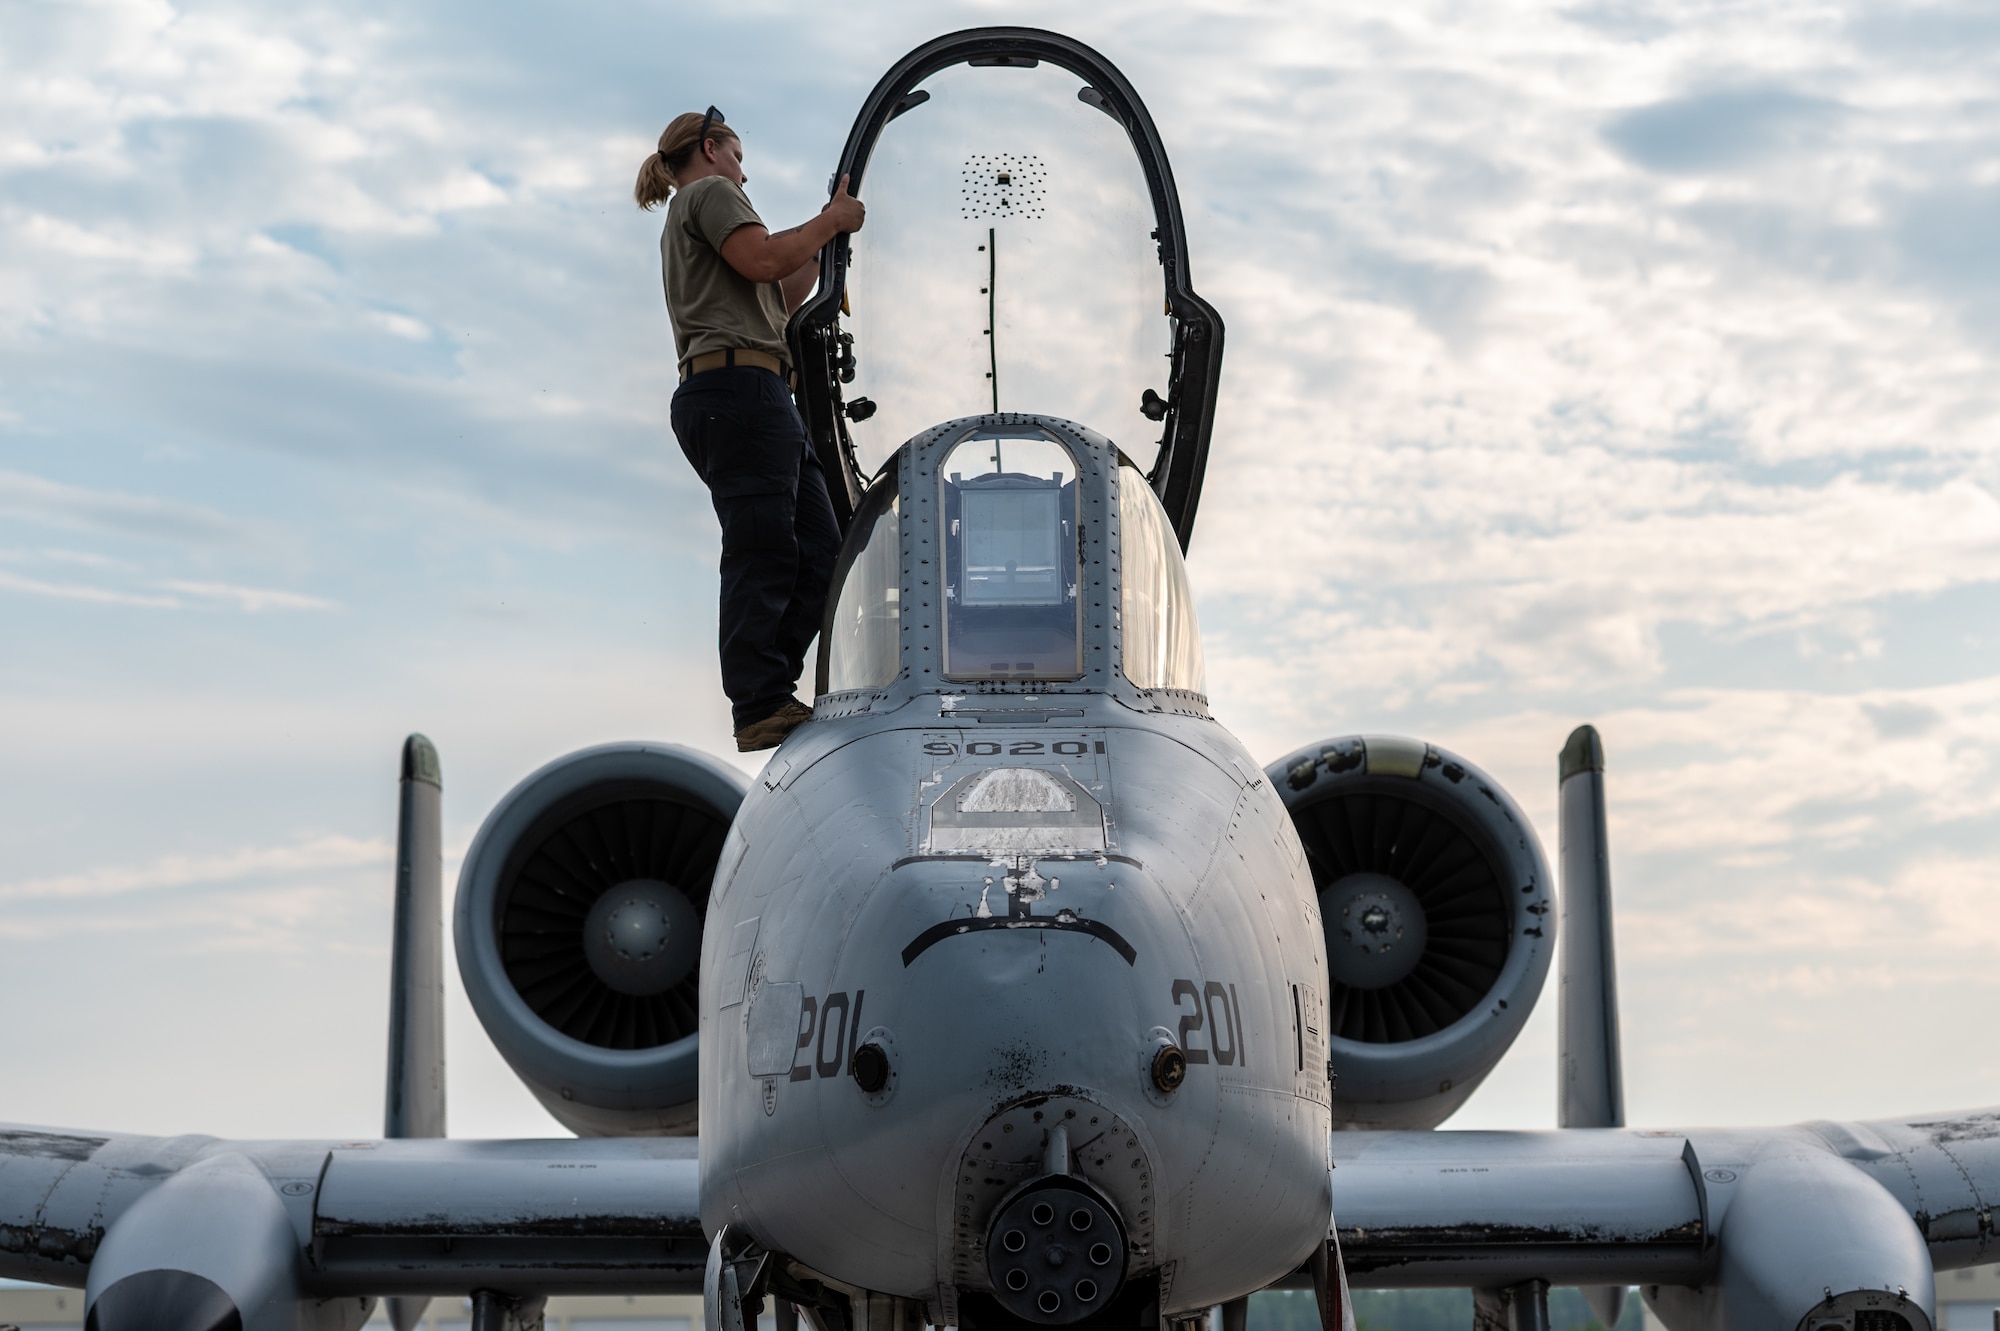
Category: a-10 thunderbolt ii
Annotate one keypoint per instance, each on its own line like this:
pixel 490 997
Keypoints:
pixel 1012 993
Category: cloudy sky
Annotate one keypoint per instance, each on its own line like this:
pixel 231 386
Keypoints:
pixel 1632 363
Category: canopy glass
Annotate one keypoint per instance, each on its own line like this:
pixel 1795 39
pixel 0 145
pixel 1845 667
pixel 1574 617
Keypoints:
pixel 1008 505
pixel 1007 264
pixel 1161 644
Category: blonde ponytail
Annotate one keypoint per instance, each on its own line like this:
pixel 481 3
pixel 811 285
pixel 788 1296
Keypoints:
pixel 659 174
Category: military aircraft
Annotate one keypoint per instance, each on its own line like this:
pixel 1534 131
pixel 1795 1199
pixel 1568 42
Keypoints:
pixel 1012 992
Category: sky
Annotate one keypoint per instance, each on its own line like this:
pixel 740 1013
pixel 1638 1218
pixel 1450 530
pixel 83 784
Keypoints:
pixel 1636 364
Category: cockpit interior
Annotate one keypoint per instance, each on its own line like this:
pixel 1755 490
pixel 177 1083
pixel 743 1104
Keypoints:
pixel 1009 506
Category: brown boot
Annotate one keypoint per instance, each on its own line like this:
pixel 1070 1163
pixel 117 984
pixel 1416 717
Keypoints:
pixel 771 731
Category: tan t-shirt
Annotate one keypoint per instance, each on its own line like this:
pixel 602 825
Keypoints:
pixel 711 304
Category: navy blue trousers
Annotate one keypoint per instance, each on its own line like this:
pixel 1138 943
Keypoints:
pixel 742 433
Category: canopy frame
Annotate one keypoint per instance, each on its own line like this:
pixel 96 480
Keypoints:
pixel 1195 372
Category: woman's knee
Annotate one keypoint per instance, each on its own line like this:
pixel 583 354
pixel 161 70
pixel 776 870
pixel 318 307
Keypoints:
pixel 758 528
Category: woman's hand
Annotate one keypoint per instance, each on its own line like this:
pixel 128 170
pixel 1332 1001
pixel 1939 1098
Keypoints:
pixel 844 210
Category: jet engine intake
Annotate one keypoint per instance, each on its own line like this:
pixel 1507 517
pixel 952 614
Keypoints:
pixel 578 931
pixel 1436 901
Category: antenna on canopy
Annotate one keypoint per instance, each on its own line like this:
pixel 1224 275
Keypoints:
pixel 993 324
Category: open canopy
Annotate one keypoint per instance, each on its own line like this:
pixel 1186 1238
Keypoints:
pixel 1024 252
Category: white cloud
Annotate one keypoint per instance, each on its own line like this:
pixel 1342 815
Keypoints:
pixel 401 325
pixel 29 498
pixel 60 238
pixel 73 591
pixel 330 851
pixel 1543 402
pixel 250 600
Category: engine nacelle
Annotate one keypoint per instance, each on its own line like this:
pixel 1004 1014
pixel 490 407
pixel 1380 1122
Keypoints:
pixel 578 930
pixel 1439 915
pixel 1809 1243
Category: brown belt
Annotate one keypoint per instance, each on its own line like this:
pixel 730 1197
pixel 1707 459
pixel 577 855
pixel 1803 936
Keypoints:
pixel 734 357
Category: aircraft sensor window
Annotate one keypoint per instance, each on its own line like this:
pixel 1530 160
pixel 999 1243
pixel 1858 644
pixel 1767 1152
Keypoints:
pixel 1162 642
pixel 862 636
pixel 1010 598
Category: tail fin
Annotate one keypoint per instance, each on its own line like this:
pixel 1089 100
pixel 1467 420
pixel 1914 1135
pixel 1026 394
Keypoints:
pixel 1590 1065
pixel 414 1105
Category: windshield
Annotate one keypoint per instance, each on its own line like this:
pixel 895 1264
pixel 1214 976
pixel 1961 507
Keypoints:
pixel 1162 644
pixel 1007 264
pixel 1009 511
pixel 859 645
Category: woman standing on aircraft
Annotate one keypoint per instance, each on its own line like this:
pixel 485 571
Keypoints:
pixel 730 287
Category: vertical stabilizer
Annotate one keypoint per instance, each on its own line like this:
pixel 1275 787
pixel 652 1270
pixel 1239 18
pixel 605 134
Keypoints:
pixel 1590 1091
pixel 414 1106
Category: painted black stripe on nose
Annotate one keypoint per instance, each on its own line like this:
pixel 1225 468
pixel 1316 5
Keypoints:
pixel 1102 932
pixel 1086 857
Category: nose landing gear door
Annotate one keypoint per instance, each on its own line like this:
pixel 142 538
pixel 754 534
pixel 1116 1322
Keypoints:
pixel 1024 252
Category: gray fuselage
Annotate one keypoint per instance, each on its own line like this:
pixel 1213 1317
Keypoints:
pixel 1020 894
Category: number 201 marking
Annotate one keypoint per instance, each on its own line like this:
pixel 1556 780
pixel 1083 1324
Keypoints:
pixel 1020 748
pixel 816 1022
pixel 1213 1005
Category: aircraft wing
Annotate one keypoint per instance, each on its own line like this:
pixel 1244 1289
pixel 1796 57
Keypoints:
pixel 1439 1208
pixel 1490 1209
pixel 340 1219
pixel 1619 1207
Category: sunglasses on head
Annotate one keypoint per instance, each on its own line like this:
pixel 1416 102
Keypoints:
pixel 708 121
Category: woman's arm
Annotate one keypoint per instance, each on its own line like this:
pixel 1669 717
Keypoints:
pixel 799 284
pixel 761 256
